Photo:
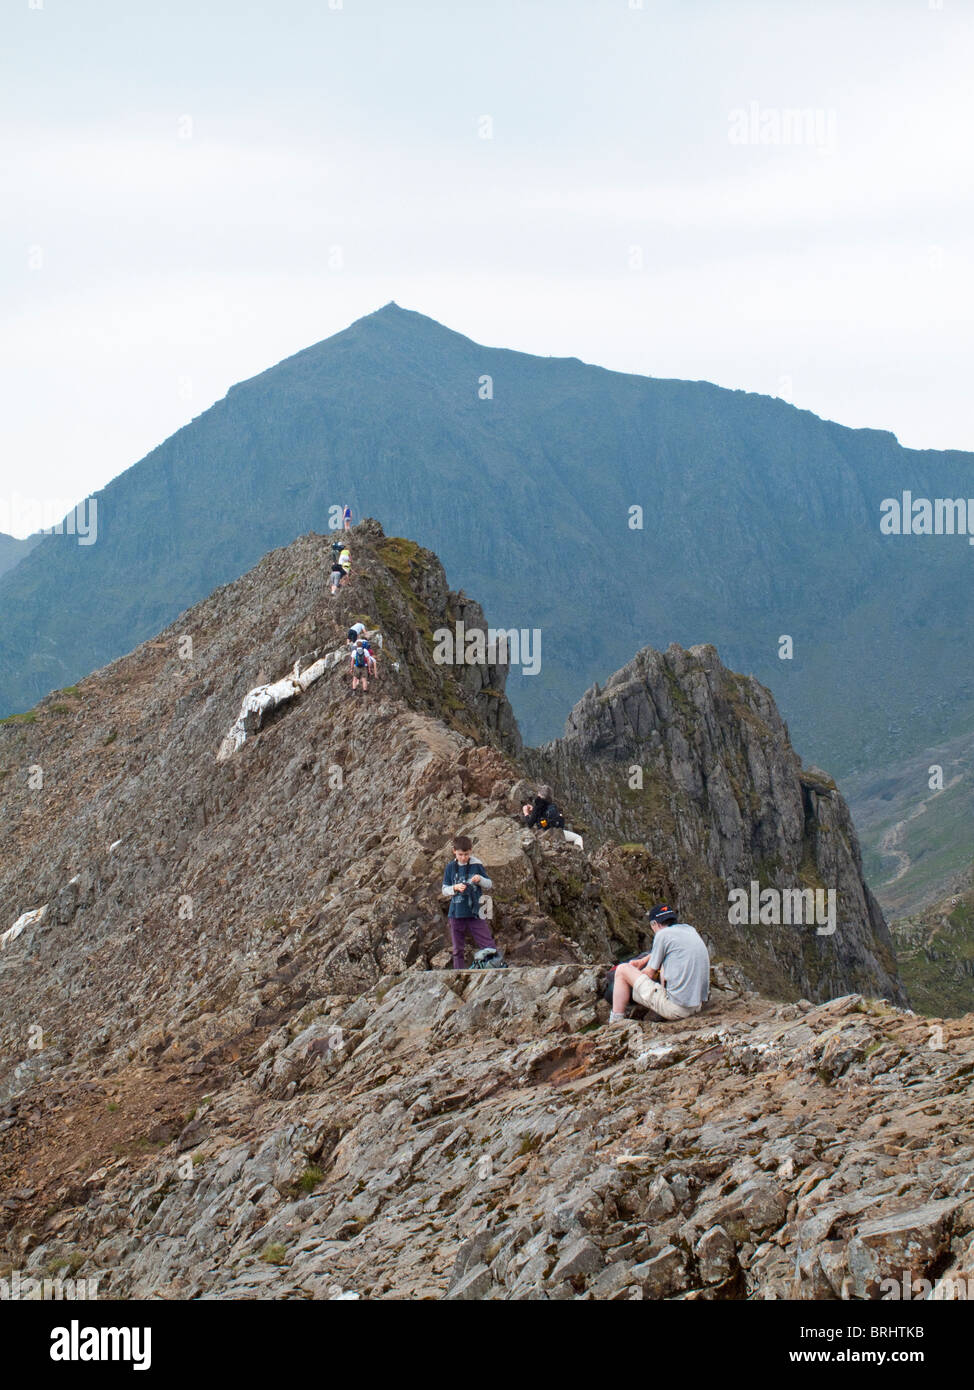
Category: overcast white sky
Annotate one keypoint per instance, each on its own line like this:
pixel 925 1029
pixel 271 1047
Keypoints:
pixel 177 176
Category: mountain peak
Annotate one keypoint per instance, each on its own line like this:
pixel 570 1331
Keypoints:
pixel 516 469
pixel 406 323
pixel 393 312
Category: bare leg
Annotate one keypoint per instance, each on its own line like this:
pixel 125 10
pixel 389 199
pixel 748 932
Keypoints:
pixel 625 977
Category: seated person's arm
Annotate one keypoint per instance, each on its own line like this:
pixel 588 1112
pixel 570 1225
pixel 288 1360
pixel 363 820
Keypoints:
pixel 659 951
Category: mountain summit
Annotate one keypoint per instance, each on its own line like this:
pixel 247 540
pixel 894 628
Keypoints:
pixel 608 511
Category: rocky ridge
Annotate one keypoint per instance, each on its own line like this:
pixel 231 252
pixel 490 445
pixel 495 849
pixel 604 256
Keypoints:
pixel 232 1064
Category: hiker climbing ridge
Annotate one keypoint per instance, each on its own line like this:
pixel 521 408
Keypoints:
pixel 345 564
pixel 359 666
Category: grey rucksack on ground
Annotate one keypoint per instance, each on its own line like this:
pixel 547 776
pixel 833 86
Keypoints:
pixel 488 959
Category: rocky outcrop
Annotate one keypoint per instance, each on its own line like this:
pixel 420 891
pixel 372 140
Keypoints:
pixel 693 761
pixel 195 899
pixel 233 1064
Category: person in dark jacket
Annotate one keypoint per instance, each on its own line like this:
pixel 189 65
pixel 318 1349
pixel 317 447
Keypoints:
pixel 464 883
pixel 543 809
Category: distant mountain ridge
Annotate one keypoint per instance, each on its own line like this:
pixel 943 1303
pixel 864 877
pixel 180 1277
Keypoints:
pixel 13 550
pixel 758 521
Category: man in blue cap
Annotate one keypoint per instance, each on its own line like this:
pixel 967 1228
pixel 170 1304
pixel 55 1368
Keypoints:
pixel 673 981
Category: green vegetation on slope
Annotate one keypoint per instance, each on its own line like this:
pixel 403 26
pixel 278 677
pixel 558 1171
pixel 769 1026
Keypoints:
pixel 935 950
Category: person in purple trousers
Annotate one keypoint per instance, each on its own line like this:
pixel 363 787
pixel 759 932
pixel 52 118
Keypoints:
pixel 464 883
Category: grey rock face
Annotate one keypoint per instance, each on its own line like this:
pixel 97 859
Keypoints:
pixel 694 761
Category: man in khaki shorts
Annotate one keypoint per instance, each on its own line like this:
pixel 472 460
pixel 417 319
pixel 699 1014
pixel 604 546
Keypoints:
pixel 673 980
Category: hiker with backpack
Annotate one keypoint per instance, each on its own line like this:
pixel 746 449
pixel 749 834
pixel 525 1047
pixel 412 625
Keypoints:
pixel 673 980
pixel 337 575
pixel 464 882
pixel 359 666
pixel 543 812
pixel 359 636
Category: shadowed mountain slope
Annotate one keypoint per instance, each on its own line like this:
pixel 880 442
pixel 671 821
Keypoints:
pixel 521 472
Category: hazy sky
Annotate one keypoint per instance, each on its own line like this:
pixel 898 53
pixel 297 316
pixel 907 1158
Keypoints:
pixel 194 191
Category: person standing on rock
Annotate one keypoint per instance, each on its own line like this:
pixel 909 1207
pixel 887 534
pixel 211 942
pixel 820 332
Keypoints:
pixel 347 517
pixel 464 882
pixel 673 980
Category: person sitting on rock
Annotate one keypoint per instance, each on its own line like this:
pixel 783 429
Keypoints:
pixel 543 812
pixel 676 992
pixel 464 881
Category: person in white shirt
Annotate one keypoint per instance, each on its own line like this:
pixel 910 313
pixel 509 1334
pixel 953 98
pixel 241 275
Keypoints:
pixel 673 980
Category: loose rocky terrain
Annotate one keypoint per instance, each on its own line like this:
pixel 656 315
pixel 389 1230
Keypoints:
pixel 232 1063
pixel 480 1135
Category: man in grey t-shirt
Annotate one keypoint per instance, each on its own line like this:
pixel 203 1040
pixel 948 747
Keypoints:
pixel 673 980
